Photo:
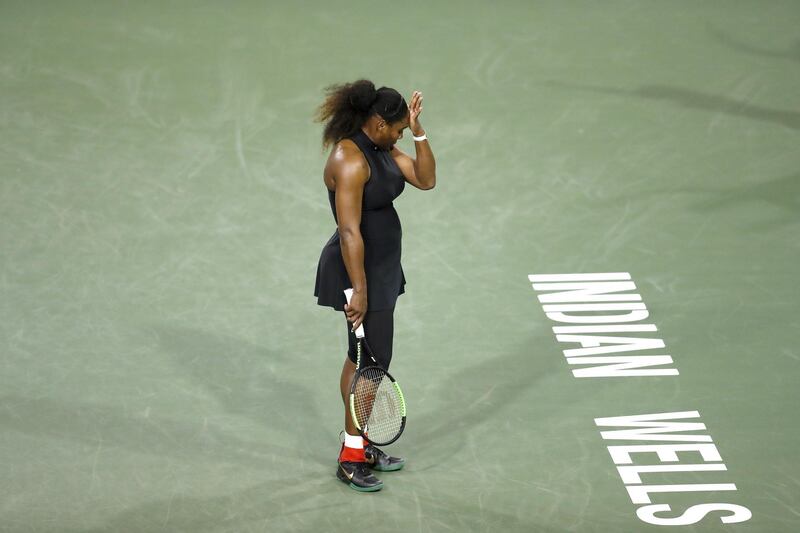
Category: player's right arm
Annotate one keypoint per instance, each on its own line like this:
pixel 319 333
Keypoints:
pixel 351 172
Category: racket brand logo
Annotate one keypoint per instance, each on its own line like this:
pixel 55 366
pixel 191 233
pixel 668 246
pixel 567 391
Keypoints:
pixel 599 309
pixel 387 403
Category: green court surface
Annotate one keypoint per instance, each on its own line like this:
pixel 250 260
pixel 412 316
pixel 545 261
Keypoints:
pixel 164 365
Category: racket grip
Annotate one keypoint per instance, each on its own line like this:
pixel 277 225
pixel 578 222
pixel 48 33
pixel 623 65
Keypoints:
pixel 348 293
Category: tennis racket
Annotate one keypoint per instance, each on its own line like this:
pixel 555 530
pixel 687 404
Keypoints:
pixel 377 406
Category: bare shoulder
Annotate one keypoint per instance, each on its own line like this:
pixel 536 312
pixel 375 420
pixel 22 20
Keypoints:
pixel 347 153
pixel 346 161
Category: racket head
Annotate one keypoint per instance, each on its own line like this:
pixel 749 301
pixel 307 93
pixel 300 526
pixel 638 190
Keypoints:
pixel 377 406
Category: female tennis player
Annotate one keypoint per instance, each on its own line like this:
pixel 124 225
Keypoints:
pixel 364 173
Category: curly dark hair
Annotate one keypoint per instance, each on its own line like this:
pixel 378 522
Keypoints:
pixel 347 107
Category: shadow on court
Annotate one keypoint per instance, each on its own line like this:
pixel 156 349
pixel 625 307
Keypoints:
pixel 250 381
pixel 314 503
pixel 447 511
pixel 476 394
pixel 792 53
pixel 235 372
pixel 781 192
pixel 85 423
pixel 695 100
pixel 272 506
pixel 292 505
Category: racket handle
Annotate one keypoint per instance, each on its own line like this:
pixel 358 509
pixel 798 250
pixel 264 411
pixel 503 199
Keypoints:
pixel 348 293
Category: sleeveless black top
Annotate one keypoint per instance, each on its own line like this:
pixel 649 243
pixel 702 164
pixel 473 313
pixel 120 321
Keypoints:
pixel 380 230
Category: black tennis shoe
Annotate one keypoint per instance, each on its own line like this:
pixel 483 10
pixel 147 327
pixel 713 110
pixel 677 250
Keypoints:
pixel 379 460
pixel 358 476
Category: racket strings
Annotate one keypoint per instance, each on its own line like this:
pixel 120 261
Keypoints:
pixel 378 406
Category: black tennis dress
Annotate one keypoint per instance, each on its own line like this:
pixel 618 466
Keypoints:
pixel 381 231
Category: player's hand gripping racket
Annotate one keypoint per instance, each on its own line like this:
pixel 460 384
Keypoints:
pixel 377 406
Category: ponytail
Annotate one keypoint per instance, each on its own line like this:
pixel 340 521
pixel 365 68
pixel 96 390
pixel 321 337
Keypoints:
pixel 347 107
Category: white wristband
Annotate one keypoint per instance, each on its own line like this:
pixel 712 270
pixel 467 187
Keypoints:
pixel 422 137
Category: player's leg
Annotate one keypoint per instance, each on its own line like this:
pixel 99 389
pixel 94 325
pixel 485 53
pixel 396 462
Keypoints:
pixel 353 468
pixel 380 336
pixel 345 383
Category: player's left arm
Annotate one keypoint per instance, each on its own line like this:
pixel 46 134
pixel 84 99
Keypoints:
pixel 421 170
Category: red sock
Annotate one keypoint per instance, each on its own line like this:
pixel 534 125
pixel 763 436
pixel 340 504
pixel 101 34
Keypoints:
pixel 353 455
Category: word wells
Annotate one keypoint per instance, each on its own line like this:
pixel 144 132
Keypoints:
pixel 605 323
pixel 674 461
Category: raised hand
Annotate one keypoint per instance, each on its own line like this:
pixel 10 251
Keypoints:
pixel 414 110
